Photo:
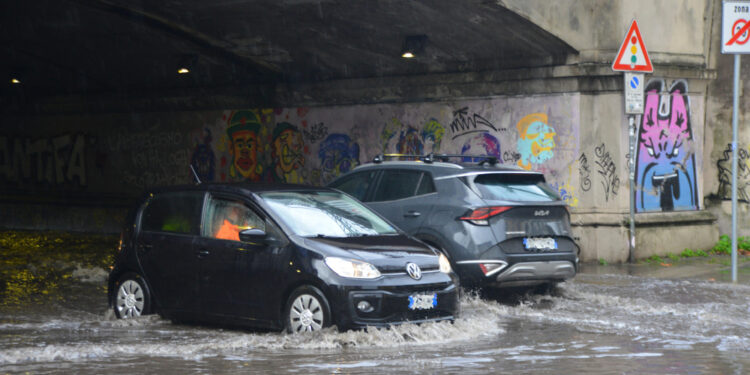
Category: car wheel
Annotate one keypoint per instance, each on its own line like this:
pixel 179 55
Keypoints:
pixel 133 298
pixel 307 310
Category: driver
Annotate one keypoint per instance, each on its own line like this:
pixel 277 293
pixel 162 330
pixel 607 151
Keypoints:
pixel 233 223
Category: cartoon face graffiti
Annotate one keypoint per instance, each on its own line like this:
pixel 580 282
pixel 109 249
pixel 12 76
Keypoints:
pixel 481 144
pixel 338 154
pixel 536 140
pixel 244 140
pixel 665 169
pixel 287 152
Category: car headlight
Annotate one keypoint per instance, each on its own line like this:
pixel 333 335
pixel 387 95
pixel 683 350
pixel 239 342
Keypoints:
pixel 352 268
pixel 445 264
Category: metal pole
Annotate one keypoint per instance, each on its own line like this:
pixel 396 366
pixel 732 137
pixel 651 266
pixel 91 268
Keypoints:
pixel 631 164
pixel 735 104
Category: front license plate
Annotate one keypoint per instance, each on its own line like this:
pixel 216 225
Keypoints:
pixel 422 301
pixel 541 243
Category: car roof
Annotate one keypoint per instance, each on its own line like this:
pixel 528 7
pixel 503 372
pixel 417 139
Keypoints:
pixel 239 187
pixel 444 169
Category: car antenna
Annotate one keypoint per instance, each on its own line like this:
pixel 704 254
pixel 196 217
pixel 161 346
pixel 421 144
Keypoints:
pixel 197 179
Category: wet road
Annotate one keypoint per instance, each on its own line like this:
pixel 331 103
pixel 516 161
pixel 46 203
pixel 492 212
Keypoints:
pixel 615 320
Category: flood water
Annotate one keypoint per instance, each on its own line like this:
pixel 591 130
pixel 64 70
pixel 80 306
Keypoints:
pixel 54 319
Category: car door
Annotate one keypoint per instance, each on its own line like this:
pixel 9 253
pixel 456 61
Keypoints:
pixel 234 275
pixel 169 224
pixel 405 197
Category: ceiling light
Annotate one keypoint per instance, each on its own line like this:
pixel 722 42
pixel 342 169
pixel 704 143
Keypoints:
pixel 14 81
pixel 413 46
pixel 183 71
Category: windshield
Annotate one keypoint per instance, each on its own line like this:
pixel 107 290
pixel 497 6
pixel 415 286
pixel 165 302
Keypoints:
pixel 325 214
pixel 515 187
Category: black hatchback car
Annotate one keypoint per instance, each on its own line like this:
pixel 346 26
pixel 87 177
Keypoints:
pixel 498 225
pixel 274 256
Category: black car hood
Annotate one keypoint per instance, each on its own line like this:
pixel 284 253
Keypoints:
pixel 387 253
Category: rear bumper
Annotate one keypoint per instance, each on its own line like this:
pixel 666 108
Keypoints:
pixel 535 272
pixel 522 269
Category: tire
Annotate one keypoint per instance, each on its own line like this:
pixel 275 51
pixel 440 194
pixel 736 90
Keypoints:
pixel 307 310
pixel 132 297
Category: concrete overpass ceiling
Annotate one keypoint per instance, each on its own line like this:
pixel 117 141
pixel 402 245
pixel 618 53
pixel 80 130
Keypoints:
pixel 88 47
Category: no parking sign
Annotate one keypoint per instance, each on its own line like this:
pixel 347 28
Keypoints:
pixel 633 93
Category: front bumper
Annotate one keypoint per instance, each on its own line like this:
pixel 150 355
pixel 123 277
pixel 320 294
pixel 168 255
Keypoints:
pixel 391 304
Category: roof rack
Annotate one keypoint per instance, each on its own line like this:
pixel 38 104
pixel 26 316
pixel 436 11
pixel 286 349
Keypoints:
pixel 431 157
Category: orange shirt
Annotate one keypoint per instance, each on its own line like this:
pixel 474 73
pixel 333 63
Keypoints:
pixel 228 231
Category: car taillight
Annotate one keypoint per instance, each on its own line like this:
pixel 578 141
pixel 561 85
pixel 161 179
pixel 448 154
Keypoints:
pixel 119 246
pixel 481 215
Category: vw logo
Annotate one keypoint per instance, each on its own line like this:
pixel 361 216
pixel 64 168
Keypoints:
pixel 413 271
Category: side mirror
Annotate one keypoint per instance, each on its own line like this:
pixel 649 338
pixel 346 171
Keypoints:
pixel 253 235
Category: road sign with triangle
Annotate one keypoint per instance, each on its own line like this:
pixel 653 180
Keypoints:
pixel 632 56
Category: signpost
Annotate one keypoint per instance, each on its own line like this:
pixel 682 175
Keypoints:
pixel 632 58
pixel 735 32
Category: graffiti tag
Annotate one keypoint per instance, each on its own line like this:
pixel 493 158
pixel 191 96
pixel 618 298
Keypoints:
pixel 464 124
pixel 725 175
pixel 55 160
pixel 608 170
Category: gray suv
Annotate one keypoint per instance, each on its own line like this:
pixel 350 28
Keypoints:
pixel 498 225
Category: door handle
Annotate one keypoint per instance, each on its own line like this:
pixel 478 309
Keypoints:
pixel 412 214
pixel 202 253
pixel 145 247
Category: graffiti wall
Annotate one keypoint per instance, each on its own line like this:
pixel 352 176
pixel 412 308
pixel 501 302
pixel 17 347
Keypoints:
pixel 665 175
pixel 314 145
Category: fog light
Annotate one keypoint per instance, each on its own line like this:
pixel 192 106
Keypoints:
pixel 365 306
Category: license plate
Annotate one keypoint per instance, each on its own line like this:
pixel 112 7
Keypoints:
pixel 422 301
pixel 541 243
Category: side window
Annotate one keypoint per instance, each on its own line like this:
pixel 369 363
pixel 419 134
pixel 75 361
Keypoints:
pixel 173 212
pixel 426 186
pixel 226 218
pixel 356 185
pixel 397 185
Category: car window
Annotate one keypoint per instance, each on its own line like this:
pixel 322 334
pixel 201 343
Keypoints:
pixel 515 187
pixel 426 185
pixel 226 218
pixel 177 212
pixel 325 213
pixel 397 185
pixel 355 185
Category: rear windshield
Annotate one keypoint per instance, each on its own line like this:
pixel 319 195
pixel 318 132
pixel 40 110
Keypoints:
pixel 515 187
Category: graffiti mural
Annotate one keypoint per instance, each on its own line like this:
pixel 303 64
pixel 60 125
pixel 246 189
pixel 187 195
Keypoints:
pixel 665 165
pixel 724 165
pixel 338 154
pixel 48 161
pixel 536 140
pixel 246 147
pixel 481 144
pixel 203 159
pixel 287 153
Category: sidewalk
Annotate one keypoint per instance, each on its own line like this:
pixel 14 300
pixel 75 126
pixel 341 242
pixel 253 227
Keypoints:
pixel 713 268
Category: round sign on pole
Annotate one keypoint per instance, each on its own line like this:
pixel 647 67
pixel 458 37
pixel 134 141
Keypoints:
pixel 735 27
